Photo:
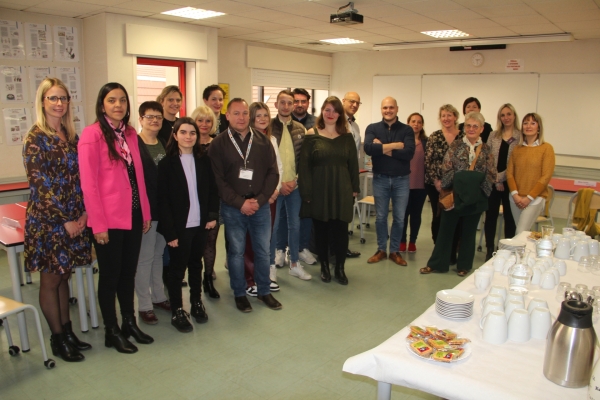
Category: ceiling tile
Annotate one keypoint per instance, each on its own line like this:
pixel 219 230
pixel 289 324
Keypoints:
pixel 379 10
pixel 305 8
pixel 257 36
pixel 122 11
pixel 18 5
pixel 331 35
pixel 69 6
pixel 295 31
pixel 410 37
pixel 265 15
pixel 407 18
pixel 587 33
pixel 105 3
pixel 329 28
pixel 146 5
pixel 486 3
pixel 235 31
pixel 270 3
pixel 450 16
pixel 185 3
pixel 491 32
pixel 170 18
pixel 208 22
pixel 394 30
pixel 265 26
pixel 521 20
pixel 230 7
pixel 433 26
pixel 540 29
pixel 505 11
pixel 286 40
pixel 370 23
pixel 467 26
pixel 562 5
pixel 233 20
pixel 574 26
pixel 301 22
pixel 574 15
pixel 61 13
pixel 426 7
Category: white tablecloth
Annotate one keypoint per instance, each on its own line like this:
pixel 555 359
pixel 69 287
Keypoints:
pixel 507 371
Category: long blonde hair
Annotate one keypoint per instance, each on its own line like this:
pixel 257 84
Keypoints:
pixel 500 126
pixel 66 120
pixel 204 111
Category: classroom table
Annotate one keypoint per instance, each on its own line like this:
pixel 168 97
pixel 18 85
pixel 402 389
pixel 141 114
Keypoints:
pixel 15 189
pixel 11 241
pixel 508 371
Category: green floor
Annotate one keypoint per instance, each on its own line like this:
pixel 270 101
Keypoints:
pixel 295 353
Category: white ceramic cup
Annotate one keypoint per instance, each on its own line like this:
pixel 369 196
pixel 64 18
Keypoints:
pixel 482 279
pixel 580 233
pixel 519 326
pixel 556 237
pixel 568 231
pixel 561 266
pixel 536 303
pixel 563 249
pixel 547 281
pixel 514 295
pixel 503 253
pixel 594 247
pixel 556 273
pixel 541 321
pixel 501 290
pixel 489 307
pixel 573 240
pixel 495 328
pixel 488 268
pixel 537 276
pixel 492 297
pixel 512 305
pixel 498 263
pixel 581 249
pixel 548 261
pixel 541 265
pixel 509 263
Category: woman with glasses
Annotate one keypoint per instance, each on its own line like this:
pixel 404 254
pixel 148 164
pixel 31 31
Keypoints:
pixel 188 204
pixel 170 99
pixel 112 179
pixel 56 235
pixel 148 278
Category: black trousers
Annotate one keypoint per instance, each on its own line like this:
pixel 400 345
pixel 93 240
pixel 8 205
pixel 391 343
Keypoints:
pixel 331 234
pixel 412 216
pixel 187 254
pixel 491 216
pixel 436 217
pixel 117 264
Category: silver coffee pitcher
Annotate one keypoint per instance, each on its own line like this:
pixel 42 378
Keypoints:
pixel 570 346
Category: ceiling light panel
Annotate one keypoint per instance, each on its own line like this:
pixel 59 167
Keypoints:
pixel 342 41
pixel 446 34
pixel 193 13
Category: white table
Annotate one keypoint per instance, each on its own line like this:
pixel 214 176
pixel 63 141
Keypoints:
pixel 507 371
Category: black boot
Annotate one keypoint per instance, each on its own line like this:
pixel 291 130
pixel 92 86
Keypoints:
pixel 73 340
pixel 209 288
pixel 114 338
pixel 61 347
pixel 340 275
pixel 129 328
pixel 489 254
pixel 325 273
pixel 198 311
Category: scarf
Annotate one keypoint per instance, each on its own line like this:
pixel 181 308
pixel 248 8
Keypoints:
pixel 471 147
pixel 123 147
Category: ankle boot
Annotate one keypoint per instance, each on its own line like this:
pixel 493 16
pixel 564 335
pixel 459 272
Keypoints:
pixel 198 311
pixel 129 328
pixel 61 347
pixel 209 287
pixel 340 275
pixel 73 340
pixel 114 338
pixel 325 272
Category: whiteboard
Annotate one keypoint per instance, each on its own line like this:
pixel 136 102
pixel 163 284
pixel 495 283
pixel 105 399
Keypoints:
pixel 568 104
pixel 492 90
pixel 406 89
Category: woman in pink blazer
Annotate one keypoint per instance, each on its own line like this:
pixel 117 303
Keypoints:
pixel 114 194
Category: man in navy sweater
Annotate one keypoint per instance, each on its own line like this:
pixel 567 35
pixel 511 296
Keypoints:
pixel 391 145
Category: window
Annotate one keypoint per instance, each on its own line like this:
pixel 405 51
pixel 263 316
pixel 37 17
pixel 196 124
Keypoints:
pixel 154 74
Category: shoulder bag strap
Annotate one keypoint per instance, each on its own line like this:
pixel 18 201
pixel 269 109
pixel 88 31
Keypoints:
pixel 472 166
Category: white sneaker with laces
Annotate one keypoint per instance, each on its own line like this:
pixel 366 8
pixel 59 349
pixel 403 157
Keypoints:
pixel 299 272
pixel 252 291
pixel 307 257
pixel 273 273
pixel 274 287
pixel 279 258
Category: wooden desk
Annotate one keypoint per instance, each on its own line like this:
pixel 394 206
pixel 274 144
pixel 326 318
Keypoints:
pixel 11 241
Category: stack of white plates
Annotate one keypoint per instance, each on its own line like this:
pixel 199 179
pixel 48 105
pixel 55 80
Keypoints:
pixel 512 244
pixel 454 304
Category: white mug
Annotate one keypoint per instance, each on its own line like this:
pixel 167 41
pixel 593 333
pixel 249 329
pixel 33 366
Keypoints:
pixel 547 280
pixel 502 253
pixel 563 249
pixel 512 305
pixel 488 268
pixel 482 279
pixel 492 297
pixel 498 263
pixel 573 240
pixel 556 237
pixel 495 328
pixel 541 321
pixel 489 307
pixel 568 231
pixel 594 248
pixel 580 233
pixel 537 276
pixel 514 295
pixel 581 249
pixel 501 290
pixel 536 303
pixel 541 265
pixel 519 326
pixel 561 266
pixel 556 273
pixel 548 261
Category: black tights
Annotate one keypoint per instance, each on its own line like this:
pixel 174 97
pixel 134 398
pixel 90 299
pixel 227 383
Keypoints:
pixel 332 233
pixel 54 299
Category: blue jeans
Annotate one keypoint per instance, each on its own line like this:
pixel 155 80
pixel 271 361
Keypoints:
pixel 259 227
pixel 396 188
pixel 306 225
pixel 288 209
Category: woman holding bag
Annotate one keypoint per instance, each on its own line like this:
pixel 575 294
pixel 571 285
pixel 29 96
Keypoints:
pixel 470 193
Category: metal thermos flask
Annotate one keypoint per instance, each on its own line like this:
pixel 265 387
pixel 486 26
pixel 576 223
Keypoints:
pixel 570 346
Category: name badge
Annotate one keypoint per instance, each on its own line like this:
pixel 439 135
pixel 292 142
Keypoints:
pixel 246 174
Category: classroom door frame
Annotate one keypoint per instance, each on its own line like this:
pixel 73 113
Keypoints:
pixel 180 65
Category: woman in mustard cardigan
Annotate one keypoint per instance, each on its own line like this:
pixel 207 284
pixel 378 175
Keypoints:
pixel 530 168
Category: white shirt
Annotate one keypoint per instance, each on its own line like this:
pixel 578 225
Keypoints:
pixel 189 167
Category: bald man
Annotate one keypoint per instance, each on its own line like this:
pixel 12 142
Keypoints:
pixel 391 145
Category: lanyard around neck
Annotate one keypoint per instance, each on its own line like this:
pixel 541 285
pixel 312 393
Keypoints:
pixel 238 147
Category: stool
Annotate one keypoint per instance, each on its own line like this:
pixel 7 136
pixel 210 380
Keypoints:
pixel 83 313
pixel 365 201
pixel 9 307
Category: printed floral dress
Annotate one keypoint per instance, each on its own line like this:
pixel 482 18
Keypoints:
pixel 55 198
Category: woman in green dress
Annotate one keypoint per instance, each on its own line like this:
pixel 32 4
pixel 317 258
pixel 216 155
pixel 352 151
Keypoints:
pixel 328 182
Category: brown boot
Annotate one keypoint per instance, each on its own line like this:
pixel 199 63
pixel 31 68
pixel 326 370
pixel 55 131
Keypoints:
pixel 380 255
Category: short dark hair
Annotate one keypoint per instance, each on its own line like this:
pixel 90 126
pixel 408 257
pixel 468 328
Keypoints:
pixel 150 105
pixel 286 92
pixel 172 145
pixel 235 100
pixel 209 89
pixel 468 101
pixel 167 91
pixel 301 91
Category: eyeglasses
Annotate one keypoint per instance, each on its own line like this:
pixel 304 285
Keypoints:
pixel 55 99
pixel 468 126
pixel 153 117
pixel 353 102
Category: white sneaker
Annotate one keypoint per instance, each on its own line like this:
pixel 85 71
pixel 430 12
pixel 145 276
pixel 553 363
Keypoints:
pixel 274 287
pixel 307 257
pixel 252 291
pixel 299 272
pixel 273 273
pixel 279 258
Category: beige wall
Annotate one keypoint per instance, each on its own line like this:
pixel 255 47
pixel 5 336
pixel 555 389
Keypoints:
pixel 355 70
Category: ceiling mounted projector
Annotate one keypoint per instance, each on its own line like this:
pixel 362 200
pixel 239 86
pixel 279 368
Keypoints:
pixel 349 17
